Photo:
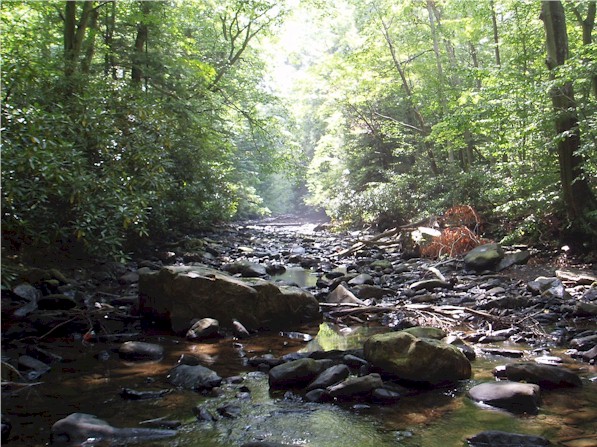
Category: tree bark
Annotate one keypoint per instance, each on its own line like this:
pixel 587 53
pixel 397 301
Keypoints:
pixel 139 51
pixel 496 38
pixel 577 193
pixel 587 26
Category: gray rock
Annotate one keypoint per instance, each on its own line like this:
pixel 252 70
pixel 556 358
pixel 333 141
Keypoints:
pixel 425 332
pixel 79 427
pixel 356 387
pixel 341 294
pixel 484 256
pixel 361 279
pixel 512 396
pixel 318 395
pixel 56 301
pixel 366 291
pixel 138 350
pixel 546 376
pixel 385 396
pixel 204 328
pixel 430 284
pixel 329 377
pixel 179 294
pixel 494 438
pixel 195 377
pixel 510 259
pixel 246 269
pixel 296 373
pixel 35 368
pixel 416 359
pixel 129 278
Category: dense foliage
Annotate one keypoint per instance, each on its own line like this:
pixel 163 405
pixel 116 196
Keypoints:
pixel 423 105
pixel 126 120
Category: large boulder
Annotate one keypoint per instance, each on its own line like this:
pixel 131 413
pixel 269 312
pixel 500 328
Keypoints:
pixel 416 359
pixel 179 294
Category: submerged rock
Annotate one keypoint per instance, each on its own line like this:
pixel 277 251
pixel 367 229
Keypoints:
pixel 138 350
pixel 494 438
pixel 415 359
pixel 79 427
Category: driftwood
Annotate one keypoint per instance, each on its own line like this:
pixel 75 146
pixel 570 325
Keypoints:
pixel 338 310
pixel 377 239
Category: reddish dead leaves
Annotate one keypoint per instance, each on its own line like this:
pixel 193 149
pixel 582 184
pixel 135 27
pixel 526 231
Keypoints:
pixel 460 234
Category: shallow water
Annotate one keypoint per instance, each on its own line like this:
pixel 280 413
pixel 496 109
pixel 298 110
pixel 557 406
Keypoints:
pixel 433 418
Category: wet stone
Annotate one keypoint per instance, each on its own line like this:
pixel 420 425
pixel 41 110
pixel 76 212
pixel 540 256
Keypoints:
pixel 546 376
pixel 494 438
pixel 194 377
pixel 512 396
pixel 140 351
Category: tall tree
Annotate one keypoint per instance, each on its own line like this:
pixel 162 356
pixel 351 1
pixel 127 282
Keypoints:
pixel 577 193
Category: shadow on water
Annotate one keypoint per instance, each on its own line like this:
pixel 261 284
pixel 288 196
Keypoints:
pixel 432 418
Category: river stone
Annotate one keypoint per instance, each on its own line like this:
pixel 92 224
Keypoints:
pixel 519 257
pixel 296 373
pixel 195 377
pixel 330 377
pixel 484 256
pixel 546 376
pixel 56 301
pixel 177 294
pixel 77 428
pixel 202 329
pixel 341 294
pixel 385 396
pixel 355 387
pixel 512 396
pixel 425 332
pixel 494 438
pixel 366 291
pixel 361 279
pixel 246 269
pixel 430 284
pixel 416 359
pixel 138 350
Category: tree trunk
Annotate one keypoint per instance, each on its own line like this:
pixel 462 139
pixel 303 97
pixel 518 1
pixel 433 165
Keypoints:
pixel 90 43
pixel 577 193
pixel 74 34
pixel 109 62
pixel 139 52
pixel 587 26
pixel 423 127
pixel 496 39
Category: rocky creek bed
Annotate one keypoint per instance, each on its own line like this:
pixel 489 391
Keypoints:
pixel 261 334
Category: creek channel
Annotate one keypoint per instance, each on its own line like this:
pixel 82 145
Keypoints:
pixel 90 377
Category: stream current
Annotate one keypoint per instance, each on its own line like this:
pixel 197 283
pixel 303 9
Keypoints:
pixel 431 418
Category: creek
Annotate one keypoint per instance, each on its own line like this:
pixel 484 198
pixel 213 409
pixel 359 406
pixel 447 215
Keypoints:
pixel 91 376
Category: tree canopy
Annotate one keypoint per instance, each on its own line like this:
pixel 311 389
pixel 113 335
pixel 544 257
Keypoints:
pixel 128 120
